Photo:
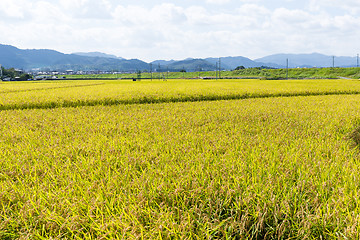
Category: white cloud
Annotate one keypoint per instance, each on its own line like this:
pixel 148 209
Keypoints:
pixel 14 10
pixel 351 6
pixel 179 30
pixel 92 9
pixel 217 1
pixel 163 14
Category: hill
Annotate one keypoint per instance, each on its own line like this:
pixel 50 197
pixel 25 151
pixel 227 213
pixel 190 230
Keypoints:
pixel 230 63
pixel 192 65
pixel 308 60
pixel 97 54
pixel 30 59
pixel 209 64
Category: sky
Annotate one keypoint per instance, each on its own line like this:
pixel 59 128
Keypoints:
pixel 179 29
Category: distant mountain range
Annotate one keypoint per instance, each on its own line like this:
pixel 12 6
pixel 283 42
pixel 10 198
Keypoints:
pixel 97 54
pixel 49 59
pixel 45 59
pixel 309 60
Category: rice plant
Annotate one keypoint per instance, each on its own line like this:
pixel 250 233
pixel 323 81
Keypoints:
pixel 253 168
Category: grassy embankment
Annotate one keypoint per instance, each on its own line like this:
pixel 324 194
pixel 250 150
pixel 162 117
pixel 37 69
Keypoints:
pixel 279 167
pixel 293 73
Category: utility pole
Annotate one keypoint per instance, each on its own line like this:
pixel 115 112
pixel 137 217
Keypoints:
pixel 159 71
pixel 1 73
pixel 216 71
pixel 357 60
pixel 287 69
pixel 219 68
pixel 333 61
pixel 151 70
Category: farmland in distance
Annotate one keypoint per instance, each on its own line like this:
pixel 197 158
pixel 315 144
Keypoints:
pixel 194 159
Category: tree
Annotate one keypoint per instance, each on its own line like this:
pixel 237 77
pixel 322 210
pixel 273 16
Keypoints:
pixel 12 73
pixel 25 77
pixel 240 68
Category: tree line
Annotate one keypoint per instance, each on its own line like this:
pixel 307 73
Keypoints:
pixel 13 74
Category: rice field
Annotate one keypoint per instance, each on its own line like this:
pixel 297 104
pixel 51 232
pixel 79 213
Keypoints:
pixel 234 159
pixel 47 94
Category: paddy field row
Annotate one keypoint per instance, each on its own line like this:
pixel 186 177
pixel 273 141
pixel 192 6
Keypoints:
pixel 27 95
